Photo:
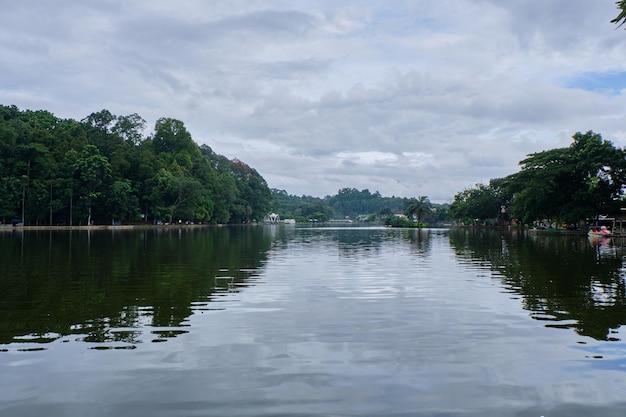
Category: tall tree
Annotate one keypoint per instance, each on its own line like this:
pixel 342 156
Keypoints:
pixel 130 128
pixel 122 201
pixel 91 170
pixel 10 193
pixel 255 197
pixel 100 120
pixel 543 186
pixel 482 202
pixel 417 207
pixel 569 184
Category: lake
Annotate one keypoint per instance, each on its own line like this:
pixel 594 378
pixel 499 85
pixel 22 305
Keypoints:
pixel 311 321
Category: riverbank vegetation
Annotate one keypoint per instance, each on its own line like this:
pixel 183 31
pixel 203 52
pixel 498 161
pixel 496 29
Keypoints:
pixel 360 206
pixel 560 186
pixel 104 169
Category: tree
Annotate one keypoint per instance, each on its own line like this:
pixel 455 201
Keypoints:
pixel 130 128
pixel 176 195
pixel 255 197
pixel 569 184
pixel 601 172
pixel 91 170
pixel 10 194
pixel 67 171
pixel 317 211
pixel 171 136
pixel 53 169
pixel 352 202
pixel 122 201
pixel 398 221
pixel 101 120
pixel 621 18
pixel 224 193
pixel 480 203
pixel 543 186
pixel 417 207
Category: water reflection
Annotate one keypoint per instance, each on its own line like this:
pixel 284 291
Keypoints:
pixel 353 241
pixel 569 281
pixel 120 287
pixel 402 324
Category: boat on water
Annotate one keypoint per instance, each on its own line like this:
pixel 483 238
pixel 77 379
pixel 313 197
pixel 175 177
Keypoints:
pixel 600 231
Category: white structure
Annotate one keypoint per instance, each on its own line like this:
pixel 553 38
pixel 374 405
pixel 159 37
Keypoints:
pixel 272 218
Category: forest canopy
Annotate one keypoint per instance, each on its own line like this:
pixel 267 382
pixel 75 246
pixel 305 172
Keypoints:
pixel 566 185
pixel 104 169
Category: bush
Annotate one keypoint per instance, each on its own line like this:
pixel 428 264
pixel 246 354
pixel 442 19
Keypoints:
pixel 395 221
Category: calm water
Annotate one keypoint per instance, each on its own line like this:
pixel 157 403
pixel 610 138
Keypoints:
pixel 286 321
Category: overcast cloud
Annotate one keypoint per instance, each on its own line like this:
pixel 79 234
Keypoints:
pixel 408 98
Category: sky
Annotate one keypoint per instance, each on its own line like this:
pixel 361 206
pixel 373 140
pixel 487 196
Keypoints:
pixel 407 98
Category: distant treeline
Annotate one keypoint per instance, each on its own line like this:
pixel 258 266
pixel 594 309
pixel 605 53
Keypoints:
pixel 104 169
pixel 359 205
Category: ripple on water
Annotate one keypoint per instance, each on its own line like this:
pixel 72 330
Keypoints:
pixel 377 323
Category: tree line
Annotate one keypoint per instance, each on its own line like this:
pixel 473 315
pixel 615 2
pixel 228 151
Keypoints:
pixel 104 169
pixel 564 185
pixel 360 205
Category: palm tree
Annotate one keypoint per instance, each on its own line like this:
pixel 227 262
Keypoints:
pixel 621 18
pixel 416 207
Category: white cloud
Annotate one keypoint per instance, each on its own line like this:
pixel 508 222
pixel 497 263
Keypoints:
pixel 406 97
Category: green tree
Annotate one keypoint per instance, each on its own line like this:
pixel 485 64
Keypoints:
pixel 172 141
pixel 441 213
pixel 176 196
pixel 417 207
pixel 397 221
pixel 255 198
pixel 122 201
pixel 130 128
pixel 101 120
pixel 601 172
pixel 224 193
pixel 59 169
pixel 482 203
pixel 318 211
pixel 91 171
pixel 10 194
pixel 569 184
pixel 543 186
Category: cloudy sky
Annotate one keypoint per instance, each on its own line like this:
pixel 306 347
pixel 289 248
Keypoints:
pixel 408 98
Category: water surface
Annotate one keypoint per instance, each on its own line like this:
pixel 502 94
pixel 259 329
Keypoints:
pixel 285 321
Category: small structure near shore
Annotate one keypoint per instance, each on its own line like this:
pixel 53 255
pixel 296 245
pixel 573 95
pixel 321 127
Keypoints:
pixel 271 218
pixel 616 225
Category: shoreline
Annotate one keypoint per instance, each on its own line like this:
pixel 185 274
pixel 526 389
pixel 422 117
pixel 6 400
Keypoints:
pixel 10 228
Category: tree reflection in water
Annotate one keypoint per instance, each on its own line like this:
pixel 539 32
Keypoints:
pixel 119 286
pixel 569 281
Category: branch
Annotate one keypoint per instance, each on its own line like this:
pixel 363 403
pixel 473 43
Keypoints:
pixel 621 19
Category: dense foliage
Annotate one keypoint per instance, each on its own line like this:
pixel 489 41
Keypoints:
pixel 566 185
pixel 103 169
pixel 359 205
pixel 352 202
pixel 483 203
